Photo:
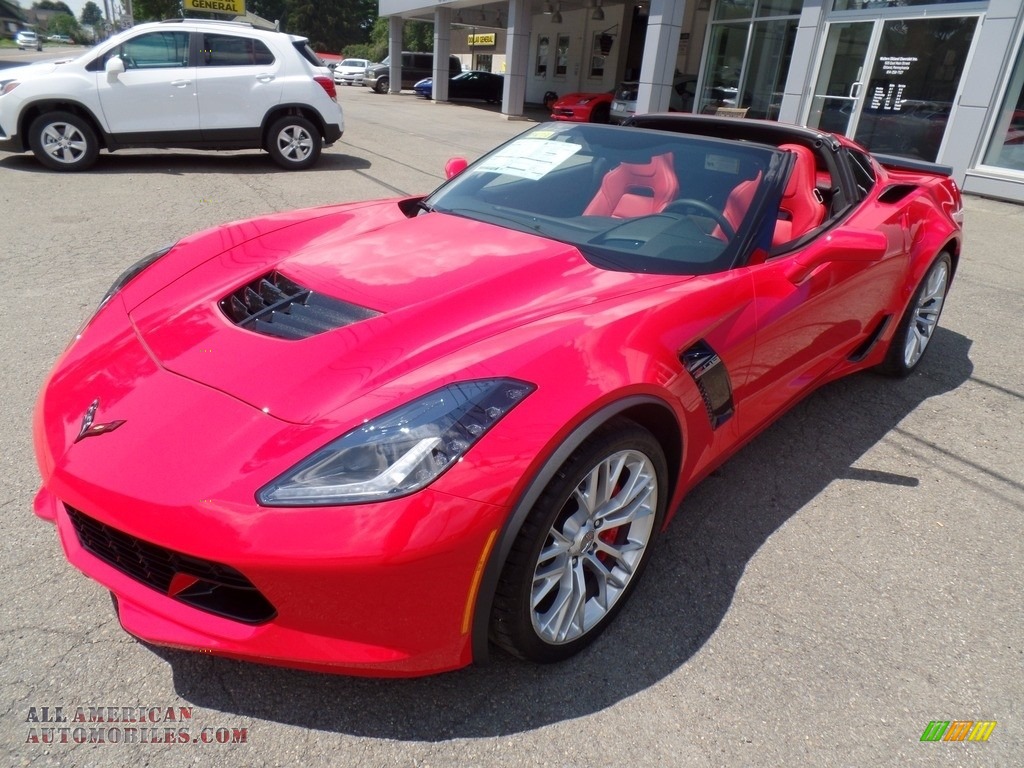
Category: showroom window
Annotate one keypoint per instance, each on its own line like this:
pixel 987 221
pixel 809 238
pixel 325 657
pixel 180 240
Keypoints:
pixel 1006 144
pixel 877 5
pixel 750 45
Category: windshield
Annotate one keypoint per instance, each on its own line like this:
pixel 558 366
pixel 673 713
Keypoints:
pixel 630 199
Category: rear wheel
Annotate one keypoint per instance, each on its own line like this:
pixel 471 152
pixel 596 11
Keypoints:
pixel 583 546
pixel 918 324
pixel 294 142
pixel 63 141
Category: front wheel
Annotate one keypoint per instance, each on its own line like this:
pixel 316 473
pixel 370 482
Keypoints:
pixel 583 546
pixel 294 143
pixel 918 324
pixel 382 85
pixel 63 141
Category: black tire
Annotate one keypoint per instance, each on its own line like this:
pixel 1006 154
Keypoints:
pixel 531 626
pixel 63 141
pixel 601 114
pixel 294 142
pixel 381 86
pixel 917 326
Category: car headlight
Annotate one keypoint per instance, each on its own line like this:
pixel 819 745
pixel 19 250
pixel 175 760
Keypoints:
pixel 399 452
pixel 6 86
pixel 130 274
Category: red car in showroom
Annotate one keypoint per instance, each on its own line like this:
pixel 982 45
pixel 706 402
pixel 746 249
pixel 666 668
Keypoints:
pixel 378 438
pixel 583 107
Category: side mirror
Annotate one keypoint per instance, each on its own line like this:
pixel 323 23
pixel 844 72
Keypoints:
pixel 113 68
pixel 861 245
pixel 454 167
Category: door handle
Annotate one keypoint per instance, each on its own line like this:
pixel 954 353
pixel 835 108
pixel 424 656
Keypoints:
pixel 855 90
pixel 181 83
pixel 265 78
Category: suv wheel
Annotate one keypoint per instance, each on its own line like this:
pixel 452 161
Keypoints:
pixel 294 142
pixel 63 141
pixel 382 85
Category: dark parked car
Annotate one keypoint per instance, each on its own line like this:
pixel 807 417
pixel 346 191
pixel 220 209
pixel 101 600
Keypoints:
pixel 415 66
pixel 468 85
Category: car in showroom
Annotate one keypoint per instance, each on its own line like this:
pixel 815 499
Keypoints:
pixel 583 107
pixel 382 438
pixel 181 83
pixel 26 38
pixel 467 85
pixel 350 71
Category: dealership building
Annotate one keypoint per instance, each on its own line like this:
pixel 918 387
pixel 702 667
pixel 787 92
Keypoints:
pixel 930 79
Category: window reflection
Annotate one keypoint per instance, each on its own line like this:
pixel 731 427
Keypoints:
pixel 1006 147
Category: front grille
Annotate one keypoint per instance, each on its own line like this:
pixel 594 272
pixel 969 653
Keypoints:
pixel 276 306
pixel 203 584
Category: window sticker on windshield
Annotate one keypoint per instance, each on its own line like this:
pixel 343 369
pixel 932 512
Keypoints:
pixel 529 158
pixel 722 164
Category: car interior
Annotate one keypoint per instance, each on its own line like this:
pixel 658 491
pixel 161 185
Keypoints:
pixel 682 200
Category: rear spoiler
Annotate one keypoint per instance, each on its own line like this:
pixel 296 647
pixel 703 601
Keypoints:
pixel 910 164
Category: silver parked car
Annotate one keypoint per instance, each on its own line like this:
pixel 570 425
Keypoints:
pixel 28 39
pixel 350 71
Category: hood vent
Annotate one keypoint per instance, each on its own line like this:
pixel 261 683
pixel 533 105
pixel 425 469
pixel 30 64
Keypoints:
pixel 276 306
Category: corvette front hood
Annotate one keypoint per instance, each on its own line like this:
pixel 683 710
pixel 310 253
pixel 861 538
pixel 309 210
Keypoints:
pixel 434 284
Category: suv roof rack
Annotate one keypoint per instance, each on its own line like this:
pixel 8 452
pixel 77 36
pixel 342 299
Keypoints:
pixel 208 21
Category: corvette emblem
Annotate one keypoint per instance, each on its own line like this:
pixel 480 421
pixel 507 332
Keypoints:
pixel 91 430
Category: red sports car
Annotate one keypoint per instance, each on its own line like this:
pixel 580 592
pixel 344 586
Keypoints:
pixel 583 108
pixel 377 437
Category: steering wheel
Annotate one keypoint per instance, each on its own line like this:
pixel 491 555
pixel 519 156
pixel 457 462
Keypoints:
pixel 685 204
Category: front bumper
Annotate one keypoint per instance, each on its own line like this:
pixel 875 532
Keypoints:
pixel 382 589
pixel 336 609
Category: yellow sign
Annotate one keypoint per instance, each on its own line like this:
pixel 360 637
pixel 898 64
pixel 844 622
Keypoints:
pixel 228 7
pixel 486 39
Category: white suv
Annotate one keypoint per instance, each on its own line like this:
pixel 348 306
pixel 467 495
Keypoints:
pixel 183 83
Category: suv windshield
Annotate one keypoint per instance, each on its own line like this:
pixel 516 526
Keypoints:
pixel 629 199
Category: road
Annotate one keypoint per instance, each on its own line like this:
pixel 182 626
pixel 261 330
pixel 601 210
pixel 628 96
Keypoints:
pixel 853 574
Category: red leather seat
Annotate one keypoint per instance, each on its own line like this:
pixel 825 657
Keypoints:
pixel 636 189
pixel 736 205
pixel 802 208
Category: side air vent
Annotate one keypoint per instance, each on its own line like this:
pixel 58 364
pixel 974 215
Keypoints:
pixel 276 306
pixel 712 379
pixel 895 193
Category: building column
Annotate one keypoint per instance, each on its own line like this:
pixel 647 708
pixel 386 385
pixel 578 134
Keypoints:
pixel 517 59
pixel 442 50
pixel 658 69
pixel 395 39
pixel 799 86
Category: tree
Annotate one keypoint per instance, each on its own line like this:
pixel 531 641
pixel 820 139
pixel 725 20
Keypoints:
pixel 332 24
pixel 416 36
pixel 49 5
pixel 63 24
pixel 271 10
pixel 91 16
pixel 156 10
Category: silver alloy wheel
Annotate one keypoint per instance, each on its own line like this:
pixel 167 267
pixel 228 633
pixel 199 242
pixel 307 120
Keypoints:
pixel 925 315
pixel 295 143
pixel 64 142
pixel 594 547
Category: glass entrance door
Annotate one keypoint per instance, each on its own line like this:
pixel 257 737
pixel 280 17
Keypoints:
pixel 892 84
pixel 841 77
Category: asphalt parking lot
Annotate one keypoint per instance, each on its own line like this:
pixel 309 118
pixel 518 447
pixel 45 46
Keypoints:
pixel 852 575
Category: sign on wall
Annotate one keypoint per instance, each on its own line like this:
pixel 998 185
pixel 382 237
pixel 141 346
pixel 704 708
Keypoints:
pixel 227 7
pixel 482 39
